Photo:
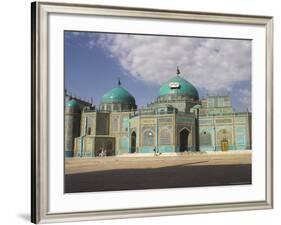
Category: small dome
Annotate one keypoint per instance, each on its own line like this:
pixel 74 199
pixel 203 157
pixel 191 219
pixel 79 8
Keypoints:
pixel 118 95
pixel 71 103
pixel 178 85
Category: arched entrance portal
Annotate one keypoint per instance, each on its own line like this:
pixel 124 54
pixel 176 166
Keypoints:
pixel 184 140
pixel 133 142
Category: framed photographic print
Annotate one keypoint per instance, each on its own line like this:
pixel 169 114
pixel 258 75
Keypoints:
pixel 146 112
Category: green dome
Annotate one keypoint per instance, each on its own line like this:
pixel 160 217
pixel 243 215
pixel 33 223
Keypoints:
pixel 71 103
pixel 178 85
pixel 118 95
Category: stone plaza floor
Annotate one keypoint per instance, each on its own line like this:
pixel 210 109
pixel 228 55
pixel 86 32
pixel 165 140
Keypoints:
pixel 135 172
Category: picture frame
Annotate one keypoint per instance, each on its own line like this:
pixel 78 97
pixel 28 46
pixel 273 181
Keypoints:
pixel 41 90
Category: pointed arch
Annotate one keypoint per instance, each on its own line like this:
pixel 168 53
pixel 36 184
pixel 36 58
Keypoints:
pixel 133 142
pixel 184 134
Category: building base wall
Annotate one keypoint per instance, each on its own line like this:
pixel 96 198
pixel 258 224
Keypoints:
pixel 219 148
pixel 68 153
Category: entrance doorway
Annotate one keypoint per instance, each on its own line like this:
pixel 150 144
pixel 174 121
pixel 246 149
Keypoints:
pixel 133 142
pixel 184 140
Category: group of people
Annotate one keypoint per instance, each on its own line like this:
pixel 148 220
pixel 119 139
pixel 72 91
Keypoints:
pixel 102 153
pixel 156 151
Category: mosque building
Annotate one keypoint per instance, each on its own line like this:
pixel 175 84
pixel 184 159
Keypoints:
pixel 176 121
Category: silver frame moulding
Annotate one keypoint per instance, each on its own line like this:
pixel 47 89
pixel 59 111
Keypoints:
pixel 39 147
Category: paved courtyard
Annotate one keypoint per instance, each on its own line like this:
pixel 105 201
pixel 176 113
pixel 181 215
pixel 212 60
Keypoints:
pixel 134 172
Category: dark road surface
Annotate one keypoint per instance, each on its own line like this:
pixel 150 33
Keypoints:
pixel 156 178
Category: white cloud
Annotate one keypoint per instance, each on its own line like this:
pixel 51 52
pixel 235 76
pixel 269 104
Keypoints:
pixel 212 64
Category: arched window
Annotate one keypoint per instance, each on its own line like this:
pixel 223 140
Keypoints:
pixel 165 137
pixel 115 107
pixel 133 141
pixel 184 134
pixel 205 138
pixel 148 138
pixel 102 125
pixel 114 124
pixel 162 111
pixel 224 134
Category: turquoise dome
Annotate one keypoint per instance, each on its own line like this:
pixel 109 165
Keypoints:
pixel 118 95
pixel 178 85
pixel 71 103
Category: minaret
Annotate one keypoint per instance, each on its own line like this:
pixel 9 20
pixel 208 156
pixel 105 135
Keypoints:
pixel 178 71
pixel 71 126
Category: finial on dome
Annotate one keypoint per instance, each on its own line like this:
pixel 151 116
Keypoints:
pixel 178 71
pixel 119 82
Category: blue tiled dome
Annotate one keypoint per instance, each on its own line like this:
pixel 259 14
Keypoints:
pixel 118 95
pixel 71 103
pixel 178 85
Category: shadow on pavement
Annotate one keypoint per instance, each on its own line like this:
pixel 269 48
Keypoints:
pixel 155 178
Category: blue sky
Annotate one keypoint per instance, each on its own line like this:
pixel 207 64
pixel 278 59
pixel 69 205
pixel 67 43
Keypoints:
pixel 95 61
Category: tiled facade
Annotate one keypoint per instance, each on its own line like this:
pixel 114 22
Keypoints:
pixel 174 122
